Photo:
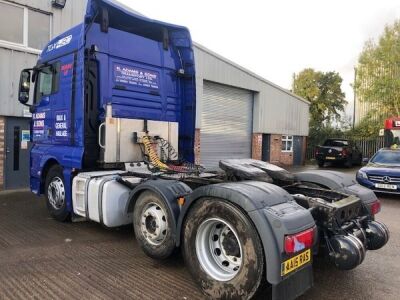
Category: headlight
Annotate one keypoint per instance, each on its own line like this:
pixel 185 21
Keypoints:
pixel 362 174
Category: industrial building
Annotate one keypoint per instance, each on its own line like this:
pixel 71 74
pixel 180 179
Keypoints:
pixel 239 114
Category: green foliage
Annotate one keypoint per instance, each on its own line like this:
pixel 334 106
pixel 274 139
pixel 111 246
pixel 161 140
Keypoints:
pixel 317 137
pixel 327 102
pixel 367 128
pixel 378 79
pixel 323 91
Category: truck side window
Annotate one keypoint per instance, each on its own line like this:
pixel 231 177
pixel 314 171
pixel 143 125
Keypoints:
pixel 47 81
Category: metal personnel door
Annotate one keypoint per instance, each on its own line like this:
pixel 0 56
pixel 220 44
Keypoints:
pixel 298 150
pixel 226 124
pixel 17 153
pixel 266 145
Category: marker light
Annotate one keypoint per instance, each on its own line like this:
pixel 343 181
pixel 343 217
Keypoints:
pixel 299 241
pixel 375 207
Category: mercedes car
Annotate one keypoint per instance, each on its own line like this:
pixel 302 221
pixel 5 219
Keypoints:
pixel 382 173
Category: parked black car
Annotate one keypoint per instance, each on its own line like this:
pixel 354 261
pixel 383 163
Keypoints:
pixel 338 151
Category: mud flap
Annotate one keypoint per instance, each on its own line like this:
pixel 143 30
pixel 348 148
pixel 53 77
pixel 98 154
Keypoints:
pixel 294 286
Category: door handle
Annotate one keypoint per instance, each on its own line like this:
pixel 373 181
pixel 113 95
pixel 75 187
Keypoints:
pixel 100 135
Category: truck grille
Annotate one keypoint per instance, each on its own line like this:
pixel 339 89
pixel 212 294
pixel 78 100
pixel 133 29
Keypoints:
pixel 384 179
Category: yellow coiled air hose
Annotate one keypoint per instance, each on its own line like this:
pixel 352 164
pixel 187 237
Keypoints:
pixel 152 154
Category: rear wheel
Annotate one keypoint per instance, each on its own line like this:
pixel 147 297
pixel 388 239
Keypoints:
pixel 223 250
pixel 55 194
pixel 320 163
pixel 152 221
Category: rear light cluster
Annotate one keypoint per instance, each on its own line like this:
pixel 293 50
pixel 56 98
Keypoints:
pixel 299 241
pixel 375 207
pixel 344 152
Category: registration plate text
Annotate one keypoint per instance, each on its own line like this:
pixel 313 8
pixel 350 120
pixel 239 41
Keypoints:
pixel 295 262
pixel 386 186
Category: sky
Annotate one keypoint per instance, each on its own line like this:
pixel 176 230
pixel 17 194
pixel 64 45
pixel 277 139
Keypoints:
pixel 276 39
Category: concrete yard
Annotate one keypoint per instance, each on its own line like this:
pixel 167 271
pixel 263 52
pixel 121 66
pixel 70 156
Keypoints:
pixel 43 259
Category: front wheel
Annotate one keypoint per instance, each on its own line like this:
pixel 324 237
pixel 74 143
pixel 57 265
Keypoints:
pixel 55 194
pixel 223 250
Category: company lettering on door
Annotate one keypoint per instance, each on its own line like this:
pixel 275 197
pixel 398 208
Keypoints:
pixel 38 124
pixel 61 125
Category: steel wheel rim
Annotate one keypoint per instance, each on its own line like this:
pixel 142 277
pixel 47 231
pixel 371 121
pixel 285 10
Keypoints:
pixel 218 249
pixel 153 224
pixel 56 193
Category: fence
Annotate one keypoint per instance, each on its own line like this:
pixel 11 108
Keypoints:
pixel 367 147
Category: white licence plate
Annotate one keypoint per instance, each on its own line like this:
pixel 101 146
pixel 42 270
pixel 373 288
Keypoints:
pixel 386 186
pixel 330 157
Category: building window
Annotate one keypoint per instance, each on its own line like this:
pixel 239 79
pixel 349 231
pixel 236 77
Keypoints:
pixel 39 29
pixel 11 23
pixel 287 143
pixel 21 26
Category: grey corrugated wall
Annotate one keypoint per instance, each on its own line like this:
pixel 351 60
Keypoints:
pixel 276 110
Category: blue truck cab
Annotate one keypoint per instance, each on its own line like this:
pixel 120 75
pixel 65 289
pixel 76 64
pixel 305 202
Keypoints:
pixel 142 68
pixel 113 125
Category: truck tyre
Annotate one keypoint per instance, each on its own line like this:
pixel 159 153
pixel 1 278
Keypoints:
pixel 152 221
pixel 55 194
pixel 223 250
pixel 320 163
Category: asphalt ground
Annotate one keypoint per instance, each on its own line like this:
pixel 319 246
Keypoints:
pixel 44 259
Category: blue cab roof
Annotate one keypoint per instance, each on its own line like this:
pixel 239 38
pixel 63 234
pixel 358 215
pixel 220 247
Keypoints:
pixel 74 38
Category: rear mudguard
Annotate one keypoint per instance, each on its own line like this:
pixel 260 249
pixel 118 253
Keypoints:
pixel 272 210
pixel 339 182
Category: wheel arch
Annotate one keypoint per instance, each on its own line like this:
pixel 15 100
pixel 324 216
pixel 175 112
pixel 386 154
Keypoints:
pixel 254 199
pixel 338 181
pixel 168 190
pixel 44 171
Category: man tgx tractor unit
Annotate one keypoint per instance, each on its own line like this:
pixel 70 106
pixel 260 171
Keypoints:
pixel 113 142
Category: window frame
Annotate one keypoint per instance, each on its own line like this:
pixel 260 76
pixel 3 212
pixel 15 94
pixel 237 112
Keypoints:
pixel 25 25
pixel 285 139
pixel 55 83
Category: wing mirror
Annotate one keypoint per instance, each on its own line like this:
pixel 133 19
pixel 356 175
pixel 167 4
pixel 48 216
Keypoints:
pixel 24 86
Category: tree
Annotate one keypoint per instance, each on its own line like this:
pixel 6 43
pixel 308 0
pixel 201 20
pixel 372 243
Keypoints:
pixel 323 91
pixel 378 79
pixel 327 102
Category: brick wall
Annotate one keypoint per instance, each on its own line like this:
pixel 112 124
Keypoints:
pixel 256 146
pixel 197 146
pixel 276 155
pixel 2 157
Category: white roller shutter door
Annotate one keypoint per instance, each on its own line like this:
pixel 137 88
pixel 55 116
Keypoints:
pixel 226 124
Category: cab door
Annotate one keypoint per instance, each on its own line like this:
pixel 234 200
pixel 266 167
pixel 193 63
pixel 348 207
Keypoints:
pixel 53 92
pixel 63 104
pixel 46 87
